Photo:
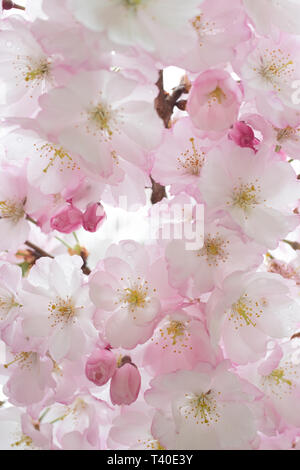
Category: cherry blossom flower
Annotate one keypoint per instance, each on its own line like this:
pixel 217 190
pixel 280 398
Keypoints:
pixel 135 290
pixel 255 189
pixel 214 101
pixel 100 366
pixel 56 307
pixel 179 159
pixel 196 409
pixel 268 73
pixel 19 431
pixel 277 376
pixel 27 70
pixel 219 27
pixel 224 251
pixel 103 122
pixel 144 23
pixel 179 342
pixel 125 385
pixel 248 310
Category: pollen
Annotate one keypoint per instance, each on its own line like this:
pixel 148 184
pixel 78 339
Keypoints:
pixel 281 381
pixel 33 71
pixel 191 161
pixel 275 67
pixel 62 311
pixel 135 296
pixel 174 336
pixel 56 154
pixel 245 196
pixel 102 120
pixel 288 133
pixel 13 210
pixel 6 304
pixel 132 3
pixel 38 73
pixel 151 444
pixel 216 96
pixel 202 408
pixel 246 311
pixel 203 28
pixel 23 441
pixel 24 360
pixel 214 250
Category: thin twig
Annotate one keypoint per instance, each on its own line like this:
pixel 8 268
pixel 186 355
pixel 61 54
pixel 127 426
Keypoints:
pixel 164 105
pixel 41 253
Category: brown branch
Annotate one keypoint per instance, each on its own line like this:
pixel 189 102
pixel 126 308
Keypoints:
pixel 164 105
pixel 296 335
pixel 8 5
pixel 294 245
pixel 165 102
pixel 38 251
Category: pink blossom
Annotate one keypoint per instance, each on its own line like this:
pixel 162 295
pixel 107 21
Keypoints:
pixel 56 308
pixel 125 385
pixel 243 135
pixel 179 160
pixel 100 366
pixel 105 121
pixel 93 217
pixel 67 220
pixel 205 408
pixel 132 290
pixel 220 27
pixel 257 191
pixel 214 101
pixel 145 25
pixel 248 310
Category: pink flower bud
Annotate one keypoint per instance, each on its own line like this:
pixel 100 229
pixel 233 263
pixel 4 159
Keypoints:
pixel 93 217
pixel 100 366
pixel 67 220
pixel 125 385
pixel 243 135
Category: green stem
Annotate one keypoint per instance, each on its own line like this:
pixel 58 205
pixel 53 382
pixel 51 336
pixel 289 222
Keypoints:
pixel 44 414
pixel 64 243
pixel 76 238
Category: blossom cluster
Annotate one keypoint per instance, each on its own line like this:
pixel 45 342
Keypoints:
pixel 149 344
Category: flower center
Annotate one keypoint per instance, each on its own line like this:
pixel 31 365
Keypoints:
pixel 12 210
pixel 203 28
pixel 6 304
pixel 281 380
pixel 214 249
pixel 201 408
pixel 278 376
pixel 132 3
pixel 101 118
pixel 245 196
pixel 38 71
pixel 216 96
pixel 174 336
pixel 275 67
pixel 24 359
pixel 55 154
pixel 288 133
pixel 62 311
pixel 136 297
pixel 244 311
pixel 191 161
